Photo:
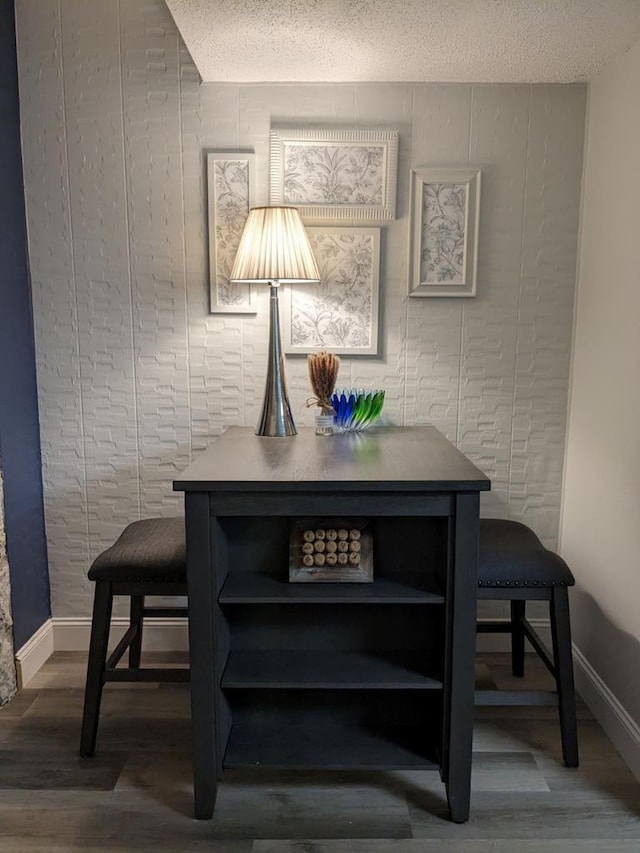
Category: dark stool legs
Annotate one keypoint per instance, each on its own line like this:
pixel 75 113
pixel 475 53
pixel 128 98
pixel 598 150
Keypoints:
pixel 561 639
pixel 101 668
pixel 518 614
pixel 136 611
pixel 559 663
pixel 148 559
pixel 515 566
pixel 102 607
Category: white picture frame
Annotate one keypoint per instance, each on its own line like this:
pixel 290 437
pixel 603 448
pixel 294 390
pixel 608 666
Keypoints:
pixel 335 174
pixel 341 313
pixel 230 189
pixel 443 244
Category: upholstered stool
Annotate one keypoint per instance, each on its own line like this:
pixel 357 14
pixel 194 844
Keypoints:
pixel 148 559
pixel 515 566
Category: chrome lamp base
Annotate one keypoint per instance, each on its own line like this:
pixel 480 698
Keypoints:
pixel 276 418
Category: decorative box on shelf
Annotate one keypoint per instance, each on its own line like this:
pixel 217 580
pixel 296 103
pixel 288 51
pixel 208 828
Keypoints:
pixel 330 550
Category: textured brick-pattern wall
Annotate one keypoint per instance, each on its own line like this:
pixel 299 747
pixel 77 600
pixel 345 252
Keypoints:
pixel 135 376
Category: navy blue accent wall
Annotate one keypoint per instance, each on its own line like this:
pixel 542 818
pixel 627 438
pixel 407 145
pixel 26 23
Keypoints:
pixel 19 433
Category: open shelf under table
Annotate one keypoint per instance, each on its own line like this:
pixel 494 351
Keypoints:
pixel 242 587
pixel 340 670
pixel 331 746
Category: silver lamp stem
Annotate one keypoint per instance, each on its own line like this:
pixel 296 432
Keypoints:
pixel 276 418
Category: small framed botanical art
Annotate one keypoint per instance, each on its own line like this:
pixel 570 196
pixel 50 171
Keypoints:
pixel 230 178
pixel 330 550
pixel 443 249
pixel 340 313
pixel 335 174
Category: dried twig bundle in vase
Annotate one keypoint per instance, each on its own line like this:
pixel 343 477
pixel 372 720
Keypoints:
pixel 323 372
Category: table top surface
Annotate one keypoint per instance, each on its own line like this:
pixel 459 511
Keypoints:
pixel 379 459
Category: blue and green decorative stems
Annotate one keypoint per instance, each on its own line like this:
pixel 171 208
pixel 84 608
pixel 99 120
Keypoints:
pixel 356 410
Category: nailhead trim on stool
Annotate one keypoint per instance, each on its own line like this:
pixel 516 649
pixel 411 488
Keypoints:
pixel 149 558
pixel 515 566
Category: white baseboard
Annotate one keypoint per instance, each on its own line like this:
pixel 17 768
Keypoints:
pixel 171 635
pixel 71 634
pixel 34 653
pixel 619 725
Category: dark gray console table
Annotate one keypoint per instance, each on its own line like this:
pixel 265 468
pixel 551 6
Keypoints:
pixel 372 675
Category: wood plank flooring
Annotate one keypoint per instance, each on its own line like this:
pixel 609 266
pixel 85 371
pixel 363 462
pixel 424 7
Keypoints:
pixel 136 793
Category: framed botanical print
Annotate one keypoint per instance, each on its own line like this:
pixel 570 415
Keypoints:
pixel 340 313
pixel 443 248
pixel 335 174
pixel 230 177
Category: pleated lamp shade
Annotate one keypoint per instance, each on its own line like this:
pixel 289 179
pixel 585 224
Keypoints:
pixel 274 247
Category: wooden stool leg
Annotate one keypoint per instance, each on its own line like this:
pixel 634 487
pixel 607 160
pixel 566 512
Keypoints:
pixel 561 637
pixel 102 606
pixel 135 649
pixel 518 610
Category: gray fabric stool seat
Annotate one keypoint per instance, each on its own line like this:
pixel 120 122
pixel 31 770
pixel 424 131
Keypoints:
pixel 514 565
pixel 149 558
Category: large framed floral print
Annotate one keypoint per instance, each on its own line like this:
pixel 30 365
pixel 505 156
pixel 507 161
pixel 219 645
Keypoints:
pixel 230 178
pixel 443 250
pixel 335 174
pixel 340 313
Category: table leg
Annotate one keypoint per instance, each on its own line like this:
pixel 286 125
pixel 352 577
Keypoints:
pixel 202 600
pixel 462 645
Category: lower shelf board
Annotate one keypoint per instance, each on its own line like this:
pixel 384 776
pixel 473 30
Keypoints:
pixel 328 669
pixel 329 746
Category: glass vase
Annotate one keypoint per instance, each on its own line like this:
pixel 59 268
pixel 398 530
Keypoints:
pixel 355 409
pixel 324 423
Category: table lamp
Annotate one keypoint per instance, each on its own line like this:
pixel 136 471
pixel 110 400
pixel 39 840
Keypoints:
pixel 274 249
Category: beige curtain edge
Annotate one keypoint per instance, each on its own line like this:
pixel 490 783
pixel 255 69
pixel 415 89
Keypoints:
pixel 8 683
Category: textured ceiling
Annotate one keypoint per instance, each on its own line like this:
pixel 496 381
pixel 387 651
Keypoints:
pixel 405 40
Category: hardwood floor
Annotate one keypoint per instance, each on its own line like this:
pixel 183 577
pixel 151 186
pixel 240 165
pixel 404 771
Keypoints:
pixel 136 793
